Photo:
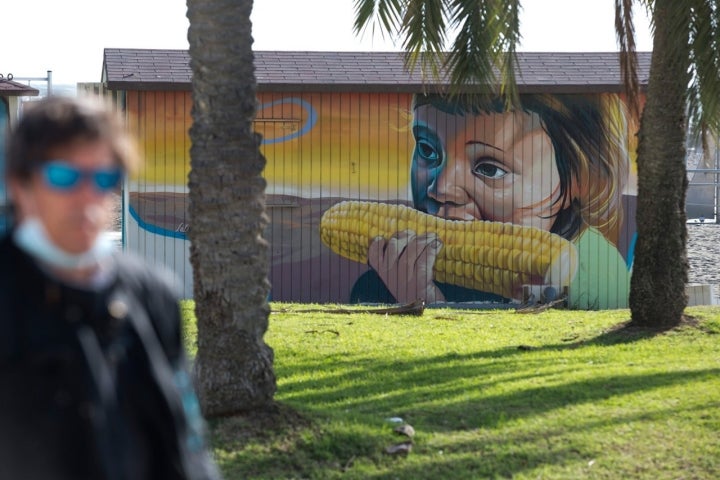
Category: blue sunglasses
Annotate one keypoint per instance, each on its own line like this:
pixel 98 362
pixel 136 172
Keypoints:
pixel 62 176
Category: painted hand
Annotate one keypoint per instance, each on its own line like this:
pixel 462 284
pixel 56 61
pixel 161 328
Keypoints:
pixel 405 264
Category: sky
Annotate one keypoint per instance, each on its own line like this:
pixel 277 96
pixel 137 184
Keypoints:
pixel 68 37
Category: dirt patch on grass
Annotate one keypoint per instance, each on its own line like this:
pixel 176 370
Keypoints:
pixel 275 423
pixel 629 330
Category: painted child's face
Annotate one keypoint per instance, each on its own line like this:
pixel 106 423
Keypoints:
pixel 498 167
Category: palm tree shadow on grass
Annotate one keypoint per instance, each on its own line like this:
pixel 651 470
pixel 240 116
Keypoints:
pixel 298 429
pixel 628 332
pixel 277 413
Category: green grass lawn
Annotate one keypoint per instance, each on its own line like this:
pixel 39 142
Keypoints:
pixel 491 394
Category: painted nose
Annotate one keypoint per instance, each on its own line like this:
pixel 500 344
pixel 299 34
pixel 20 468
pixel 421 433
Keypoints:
pixel 452 197
pixel 447 189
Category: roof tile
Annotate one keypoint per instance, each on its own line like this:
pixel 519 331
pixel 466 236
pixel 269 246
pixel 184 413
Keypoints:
pixel 143 69
pixel 11 88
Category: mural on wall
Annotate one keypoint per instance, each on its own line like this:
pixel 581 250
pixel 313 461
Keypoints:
pixel 384 197
pixel 535 199
pixel 155 201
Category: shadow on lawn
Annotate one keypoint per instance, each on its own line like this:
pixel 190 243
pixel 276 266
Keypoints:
pixel 430 388
pixel 448 393
pixel 627 332
pixel 294 439
pixel 358 383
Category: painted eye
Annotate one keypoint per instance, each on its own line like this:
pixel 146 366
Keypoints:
pixel 427 150
pixel 488 168
pixel 427 154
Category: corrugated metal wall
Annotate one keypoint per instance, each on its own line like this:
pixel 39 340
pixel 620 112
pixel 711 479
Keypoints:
pixel 323 148
pixel 156 200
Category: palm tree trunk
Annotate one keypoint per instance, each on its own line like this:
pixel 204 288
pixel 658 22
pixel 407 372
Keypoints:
pixel 660 272
pixel 233 366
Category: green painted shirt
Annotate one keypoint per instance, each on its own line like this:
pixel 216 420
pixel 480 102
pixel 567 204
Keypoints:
pixel 602 280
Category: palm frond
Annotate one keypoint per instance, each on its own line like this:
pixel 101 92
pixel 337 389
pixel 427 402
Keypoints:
pixel 625 33
pixel 424 30
pixel 385 15
pixel 483 54
pixel 508 82
pixel 649 6
pixel 704 90
pixel 482 58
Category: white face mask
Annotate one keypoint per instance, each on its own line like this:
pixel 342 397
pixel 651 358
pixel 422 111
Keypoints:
pixel 31 237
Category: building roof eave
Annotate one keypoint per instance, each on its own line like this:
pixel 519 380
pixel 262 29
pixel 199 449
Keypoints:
pixel 11 88
pixel 275 71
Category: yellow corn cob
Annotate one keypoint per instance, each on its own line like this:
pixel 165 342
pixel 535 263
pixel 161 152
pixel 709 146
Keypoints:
pixel 487 256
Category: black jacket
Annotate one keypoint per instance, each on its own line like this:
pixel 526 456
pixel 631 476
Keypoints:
pixel 94 383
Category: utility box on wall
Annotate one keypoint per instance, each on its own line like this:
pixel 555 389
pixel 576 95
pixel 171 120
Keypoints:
pixel 378 191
